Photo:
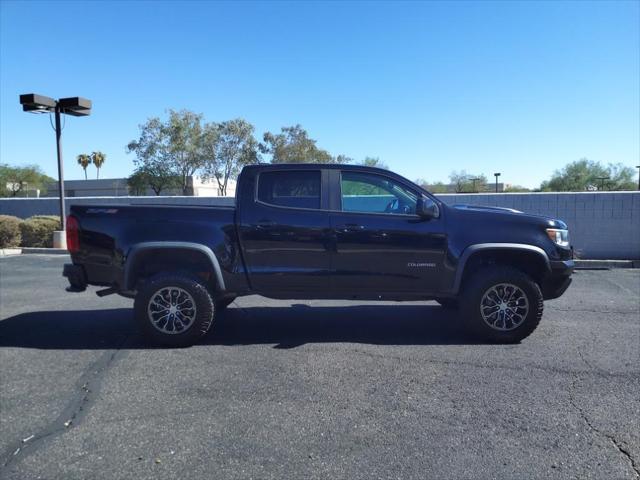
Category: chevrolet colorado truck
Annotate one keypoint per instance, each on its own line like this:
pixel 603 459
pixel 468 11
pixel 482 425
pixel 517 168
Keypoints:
pixel 308 231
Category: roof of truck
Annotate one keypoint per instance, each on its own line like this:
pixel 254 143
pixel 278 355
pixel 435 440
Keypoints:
pixel 313 166
pixel 332 166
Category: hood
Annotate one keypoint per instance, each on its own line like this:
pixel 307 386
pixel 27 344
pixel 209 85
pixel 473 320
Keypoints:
pixel 504 213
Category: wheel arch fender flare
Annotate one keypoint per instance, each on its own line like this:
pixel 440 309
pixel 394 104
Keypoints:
pixel 138 248
pixel 477 248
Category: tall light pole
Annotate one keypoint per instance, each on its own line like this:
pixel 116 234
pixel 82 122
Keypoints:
pixel 497 174
pixel 474 180
pixel 76 106
pixel 638 167
pixel 602 179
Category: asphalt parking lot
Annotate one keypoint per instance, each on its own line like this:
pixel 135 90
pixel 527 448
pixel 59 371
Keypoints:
pixel 316 389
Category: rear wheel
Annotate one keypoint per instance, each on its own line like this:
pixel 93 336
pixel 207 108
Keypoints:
pixel 502 304
pixel 174 309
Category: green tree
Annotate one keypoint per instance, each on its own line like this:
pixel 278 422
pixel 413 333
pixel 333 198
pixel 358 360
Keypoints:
pixel 622 177
pixel 438 187
pixel 341 159
pixel 576 176
pixel 151 148
pixel 374 162
pixel 170 148
pixel 184 132
pixel 464 182
pixel 586 175
pixel 153 177
pixel 84 161
pixel 293 145
pixel 435 187
pixel 17 181
pixel 516 188
pixel 138 183
pixel 98 159
pixel 227 147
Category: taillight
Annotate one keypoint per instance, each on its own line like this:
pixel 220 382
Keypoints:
pixel 73 234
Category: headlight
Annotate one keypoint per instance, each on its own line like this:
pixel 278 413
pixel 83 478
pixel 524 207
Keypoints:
pixel 559 236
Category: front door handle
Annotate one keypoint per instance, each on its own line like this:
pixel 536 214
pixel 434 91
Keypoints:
pixel 351 228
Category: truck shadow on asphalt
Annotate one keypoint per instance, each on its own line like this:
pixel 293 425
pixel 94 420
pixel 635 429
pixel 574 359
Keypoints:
pixel 285 327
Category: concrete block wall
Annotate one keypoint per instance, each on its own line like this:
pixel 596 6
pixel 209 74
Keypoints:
pixel 27 207
pixel 603 225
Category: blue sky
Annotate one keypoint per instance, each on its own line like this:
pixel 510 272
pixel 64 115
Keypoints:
pixel 521 88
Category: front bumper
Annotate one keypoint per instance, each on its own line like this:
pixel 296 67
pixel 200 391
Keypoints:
pixel 558 280
pixel 76 276
pixel 562 267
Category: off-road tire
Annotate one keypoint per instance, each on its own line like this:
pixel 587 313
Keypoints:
pixel 204 309
pixel 480 282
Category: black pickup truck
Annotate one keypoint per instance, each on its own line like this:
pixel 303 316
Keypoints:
pixel 301 231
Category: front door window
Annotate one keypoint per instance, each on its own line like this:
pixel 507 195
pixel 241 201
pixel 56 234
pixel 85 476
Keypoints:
pixel 370 193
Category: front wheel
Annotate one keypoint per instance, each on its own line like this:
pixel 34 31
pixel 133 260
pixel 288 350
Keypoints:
pixel 174 309
pixel 502 304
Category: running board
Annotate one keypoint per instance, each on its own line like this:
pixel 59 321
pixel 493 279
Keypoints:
pixel 107 291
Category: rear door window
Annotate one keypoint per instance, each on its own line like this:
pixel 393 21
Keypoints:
pixel 299 189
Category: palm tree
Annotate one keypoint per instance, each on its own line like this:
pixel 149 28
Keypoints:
pixel 98 160
pixel 84 161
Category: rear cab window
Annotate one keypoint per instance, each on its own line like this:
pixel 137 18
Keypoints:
pixel 291 189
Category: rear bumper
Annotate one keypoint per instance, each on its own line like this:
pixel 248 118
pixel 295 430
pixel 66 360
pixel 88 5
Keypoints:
pixel 76 276
pixel 557 282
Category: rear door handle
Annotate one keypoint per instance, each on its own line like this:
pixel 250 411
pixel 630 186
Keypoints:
pixel 262 224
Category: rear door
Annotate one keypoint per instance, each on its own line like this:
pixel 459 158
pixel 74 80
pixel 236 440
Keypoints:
pixel 382 246
pixel 284 231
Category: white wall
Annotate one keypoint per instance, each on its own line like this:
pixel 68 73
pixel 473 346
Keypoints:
pixel 604 225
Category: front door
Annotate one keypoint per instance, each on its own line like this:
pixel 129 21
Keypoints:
pixel 382 246
pixel 285 232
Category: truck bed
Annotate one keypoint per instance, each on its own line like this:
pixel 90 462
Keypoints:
pixel 108 232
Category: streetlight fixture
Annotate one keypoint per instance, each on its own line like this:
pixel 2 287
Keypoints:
pixel 497 174
pixel 75 106
pixel 602 179
pixel 474 180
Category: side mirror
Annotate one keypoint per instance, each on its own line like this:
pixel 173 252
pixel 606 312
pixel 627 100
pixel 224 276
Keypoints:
pixel 427 208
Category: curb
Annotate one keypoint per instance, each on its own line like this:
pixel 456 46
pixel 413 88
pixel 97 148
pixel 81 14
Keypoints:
pixel 49 251
pixel 605 264
pixel 5 252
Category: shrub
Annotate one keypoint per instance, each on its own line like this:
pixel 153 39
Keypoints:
pixel 53 218
pixel 10 231
pixel 37 231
